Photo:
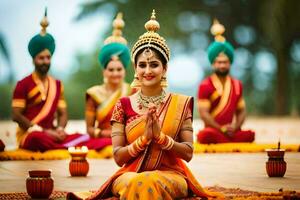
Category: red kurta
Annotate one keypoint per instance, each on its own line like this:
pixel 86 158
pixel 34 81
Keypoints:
pixel 223 102
pixel 40 106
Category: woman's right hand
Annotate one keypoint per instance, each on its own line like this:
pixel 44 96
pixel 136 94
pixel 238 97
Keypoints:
pixel 148 127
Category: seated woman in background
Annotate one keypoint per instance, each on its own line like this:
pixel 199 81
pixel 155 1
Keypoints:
pixel 114 57
pixel 151 132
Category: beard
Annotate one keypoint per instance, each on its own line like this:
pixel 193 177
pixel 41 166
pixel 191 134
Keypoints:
pixel 222 73
pixel 42 69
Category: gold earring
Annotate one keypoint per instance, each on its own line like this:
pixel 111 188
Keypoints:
pixel 105 80
pixel 136 83
pixel 163 81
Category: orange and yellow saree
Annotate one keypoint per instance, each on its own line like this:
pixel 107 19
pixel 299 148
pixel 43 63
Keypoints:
pixel 155 173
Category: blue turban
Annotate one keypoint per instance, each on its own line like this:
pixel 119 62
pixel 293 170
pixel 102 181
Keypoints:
pixel 114 49
pixel 220 47
pixel 41 42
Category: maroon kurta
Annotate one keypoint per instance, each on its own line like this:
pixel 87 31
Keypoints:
pixel 40 107
pixel 223 102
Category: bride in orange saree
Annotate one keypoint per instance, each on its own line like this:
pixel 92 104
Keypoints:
pixel 151 132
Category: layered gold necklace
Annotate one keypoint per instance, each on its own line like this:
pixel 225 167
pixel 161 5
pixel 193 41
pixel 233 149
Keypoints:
pixel 144 101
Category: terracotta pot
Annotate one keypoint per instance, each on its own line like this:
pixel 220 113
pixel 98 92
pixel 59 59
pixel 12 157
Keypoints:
pixel 78 165
pixel 39 184
pixel 276 168
pixel 2 146
pixel 275 153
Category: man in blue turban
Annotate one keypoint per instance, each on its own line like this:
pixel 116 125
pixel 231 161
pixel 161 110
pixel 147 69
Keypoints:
pixel 220 96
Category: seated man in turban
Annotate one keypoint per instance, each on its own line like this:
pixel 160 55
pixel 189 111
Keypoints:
pixel 114 57
pixel 220 97
pixel 38 100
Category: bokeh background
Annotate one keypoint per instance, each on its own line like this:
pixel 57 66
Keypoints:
pixel 265 34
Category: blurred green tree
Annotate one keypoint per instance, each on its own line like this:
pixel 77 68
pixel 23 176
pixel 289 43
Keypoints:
pixel 274 23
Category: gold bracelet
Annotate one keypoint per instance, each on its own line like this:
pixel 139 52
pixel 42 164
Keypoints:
pixel 34 127
pixel 161 139
pixel 189 144
pixel 97 132
pixel 165 141
pixel 116 149
pixel 223 129
pixel 132 151
pixel 169 144
pixel 137 146
pixel 60 128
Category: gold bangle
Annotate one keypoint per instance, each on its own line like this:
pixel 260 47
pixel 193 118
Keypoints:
pixel 161 139
pixel 170 143
pixel 189 144
pixel 223 129
pixel 60 128
pixel 132 151
pixel 34 127
pixel 137 146
pixel 144 141
pixel 97 132
pixel 116 149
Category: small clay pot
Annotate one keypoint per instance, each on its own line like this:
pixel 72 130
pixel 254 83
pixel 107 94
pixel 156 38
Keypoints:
pixel 78 165
pixel 276 166
pixel 2 146
pixel 39 184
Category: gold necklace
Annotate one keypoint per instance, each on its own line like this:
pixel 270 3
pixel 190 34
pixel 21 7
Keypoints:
pixel 144 101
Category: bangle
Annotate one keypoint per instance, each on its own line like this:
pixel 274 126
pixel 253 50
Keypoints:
pixel 60 128
pixel 161 138
pixel 138 146
pixel 223 129
pixel 116 149
pixel 165 141
pixel 97 132
pixel 169 144
pixel 189 144
pixel 34 127
pixel 132 151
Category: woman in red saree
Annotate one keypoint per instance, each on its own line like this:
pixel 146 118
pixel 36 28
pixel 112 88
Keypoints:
pixel 151 132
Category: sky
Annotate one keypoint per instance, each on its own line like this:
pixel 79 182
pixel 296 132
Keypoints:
pixel 20 21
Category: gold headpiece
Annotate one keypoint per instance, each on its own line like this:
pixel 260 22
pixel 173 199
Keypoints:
pixel 217 30
pixel 118 25
pixel 44 23
pixel 151 39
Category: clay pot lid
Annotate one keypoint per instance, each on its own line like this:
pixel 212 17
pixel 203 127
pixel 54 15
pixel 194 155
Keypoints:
pixel 78 154
pixel 39 173
pixel 274 150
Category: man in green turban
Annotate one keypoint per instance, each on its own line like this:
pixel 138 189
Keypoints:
pixel 38 100
pixel 220 96
pixel 41 42
pixel 39 97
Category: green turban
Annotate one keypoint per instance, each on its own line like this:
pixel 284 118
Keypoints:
pixel 114 49
pixel 217 47
pixel 41 42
